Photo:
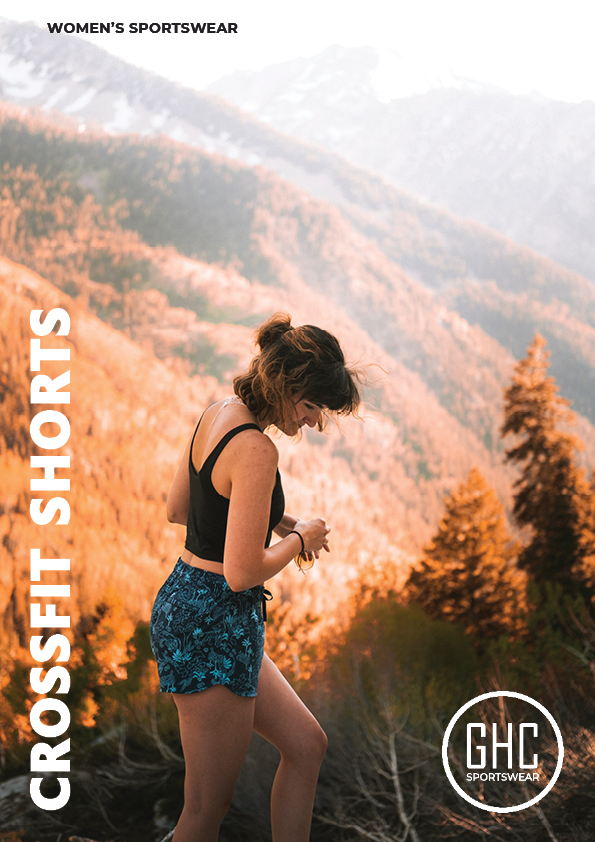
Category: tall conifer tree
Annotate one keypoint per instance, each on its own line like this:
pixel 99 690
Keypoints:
pixel 587 535
pixel 467 573
pixel 552 495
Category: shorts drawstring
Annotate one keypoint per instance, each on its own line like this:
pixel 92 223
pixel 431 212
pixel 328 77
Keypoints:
pixel 266 597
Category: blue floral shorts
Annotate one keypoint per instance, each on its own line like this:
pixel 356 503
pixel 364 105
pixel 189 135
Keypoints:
pixel 203 633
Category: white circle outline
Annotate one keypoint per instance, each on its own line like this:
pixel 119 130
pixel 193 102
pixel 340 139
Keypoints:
pixel 453 722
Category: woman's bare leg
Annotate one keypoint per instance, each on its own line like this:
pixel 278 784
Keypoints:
pixel 284 720
pixel 215 727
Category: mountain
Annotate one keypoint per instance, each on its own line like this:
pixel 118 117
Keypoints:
pixel 481 275
pixel 333 94
pixel 523 165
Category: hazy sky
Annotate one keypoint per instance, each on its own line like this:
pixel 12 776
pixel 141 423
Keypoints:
pixel 521 45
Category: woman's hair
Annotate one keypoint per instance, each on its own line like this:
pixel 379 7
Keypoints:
pixel 305 362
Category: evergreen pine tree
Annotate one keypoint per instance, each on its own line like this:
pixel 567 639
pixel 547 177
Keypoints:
pixel 467 573
pixel 587 535
pixel 552 495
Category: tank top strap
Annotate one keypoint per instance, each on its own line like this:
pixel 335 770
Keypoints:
pixel 222 443
pixel 190 465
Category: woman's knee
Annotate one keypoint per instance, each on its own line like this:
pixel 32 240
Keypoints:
pixel 309 745
pixel 320 744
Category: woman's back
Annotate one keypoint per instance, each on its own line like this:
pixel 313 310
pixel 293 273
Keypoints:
pixel 218 443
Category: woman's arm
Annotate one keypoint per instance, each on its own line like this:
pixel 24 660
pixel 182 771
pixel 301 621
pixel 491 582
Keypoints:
pixel 253 473
pixel 178 500
pixel 285 525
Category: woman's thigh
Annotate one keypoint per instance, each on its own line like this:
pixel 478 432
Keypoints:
pixel 283 719
pixel 215 727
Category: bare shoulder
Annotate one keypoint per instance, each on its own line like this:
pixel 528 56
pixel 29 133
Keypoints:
pixel 254 449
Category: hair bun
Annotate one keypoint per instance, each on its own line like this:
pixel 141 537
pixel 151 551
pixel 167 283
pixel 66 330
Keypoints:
pixel 273 329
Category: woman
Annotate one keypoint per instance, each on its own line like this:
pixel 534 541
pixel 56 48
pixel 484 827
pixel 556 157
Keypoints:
pixel 207 627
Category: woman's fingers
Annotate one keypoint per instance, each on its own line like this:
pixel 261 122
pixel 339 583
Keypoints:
pixel 314 533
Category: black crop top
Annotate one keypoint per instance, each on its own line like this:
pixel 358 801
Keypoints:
pixel 208 510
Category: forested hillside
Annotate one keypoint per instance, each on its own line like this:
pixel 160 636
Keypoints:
pixel 237 216
pixel 485 277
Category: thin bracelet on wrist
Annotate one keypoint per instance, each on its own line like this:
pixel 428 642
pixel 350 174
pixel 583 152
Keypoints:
pixel 295 532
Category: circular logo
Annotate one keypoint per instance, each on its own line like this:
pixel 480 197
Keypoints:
pixel 515 807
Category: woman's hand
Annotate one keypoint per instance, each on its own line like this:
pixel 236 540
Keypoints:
pixel 314 533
